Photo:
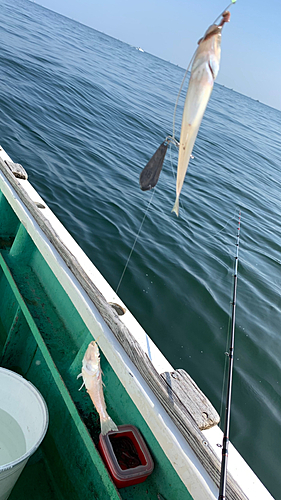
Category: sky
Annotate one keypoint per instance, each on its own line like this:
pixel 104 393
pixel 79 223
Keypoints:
pixel 251 42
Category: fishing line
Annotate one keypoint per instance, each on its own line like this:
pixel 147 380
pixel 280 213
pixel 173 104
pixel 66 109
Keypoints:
pixel 180 201
pixel 223 228
pixel 136 238
pixel 179 93
pixel 231 3
pixel 229 220
pixel 173 170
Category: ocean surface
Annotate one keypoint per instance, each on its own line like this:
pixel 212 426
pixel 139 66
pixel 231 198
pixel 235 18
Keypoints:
pixel 83 113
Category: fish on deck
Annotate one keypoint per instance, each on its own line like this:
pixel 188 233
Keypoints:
pixel 203 73
pixel 92 379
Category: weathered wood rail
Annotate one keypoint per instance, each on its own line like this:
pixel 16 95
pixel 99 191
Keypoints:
pixel 183 401
pixel 197 405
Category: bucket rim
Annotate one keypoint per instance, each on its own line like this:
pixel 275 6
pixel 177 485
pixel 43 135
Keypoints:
pixel 41 400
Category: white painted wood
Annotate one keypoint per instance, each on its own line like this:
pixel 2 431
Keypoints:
pixel 240 470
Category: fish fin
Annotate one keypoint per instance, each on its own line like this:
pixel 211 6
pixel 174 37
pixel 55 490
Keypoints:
pixel 108 425
pixel 176 206
pixel 78 376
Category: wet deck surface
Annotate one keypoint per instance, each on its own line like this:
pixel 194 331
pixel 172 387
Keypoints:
pixel 36 481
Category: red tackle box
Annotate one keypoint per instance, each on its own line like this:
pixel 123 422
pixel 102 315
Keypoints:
pixel 126 456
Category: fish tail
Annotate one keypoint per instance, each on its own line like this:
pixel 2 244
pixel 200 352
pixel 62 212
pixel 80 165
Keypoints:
pixel 108 425
pixel 176 206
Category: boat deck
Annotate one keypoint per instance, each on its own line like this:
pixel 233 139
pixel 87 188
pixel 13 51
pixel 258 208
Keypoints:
pixel 43 338
pixel 36 481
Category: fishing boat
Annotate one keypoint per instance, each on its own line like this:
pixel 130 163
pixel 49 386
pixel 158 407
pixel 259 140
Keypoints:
pixel 53 303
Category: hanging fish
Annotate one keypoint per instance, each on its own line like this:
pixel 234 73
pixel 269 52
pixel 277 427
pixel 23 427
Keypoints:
pixel 203 73
pixel 91 373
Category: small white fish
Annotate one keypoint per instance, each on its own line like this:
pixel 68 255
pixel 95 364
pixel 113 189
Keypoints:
pixel 204 71
pixel 91 373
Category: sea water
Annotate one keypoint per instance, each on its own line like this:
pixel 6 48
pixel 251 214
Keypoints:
pixel 12 440
pixel 83 113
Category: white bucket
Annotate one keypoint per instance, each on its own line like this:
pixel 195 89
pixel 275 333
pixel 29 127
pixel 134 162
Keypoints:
pixel 23 425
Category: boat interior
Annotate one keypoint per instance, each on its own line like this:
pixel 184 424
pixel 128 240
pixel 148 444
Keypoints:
pixel 43 338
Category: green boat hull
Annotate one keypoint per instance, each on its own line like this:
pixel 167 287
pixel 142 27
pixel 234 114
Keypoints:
pixel 43 338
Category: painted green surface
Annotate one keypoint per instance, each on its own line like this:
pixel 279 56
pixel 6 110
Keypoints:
pixel 43 337
pixel 36 482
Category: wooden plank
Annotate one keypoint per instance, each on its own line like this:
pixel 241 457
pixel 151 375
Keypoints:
pixel 192 398
pixel 17 169
pixel 175 409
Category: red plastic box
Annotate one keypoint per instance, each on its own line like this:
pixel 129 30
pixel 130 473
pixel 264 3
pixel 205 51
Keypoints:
pixel 126 456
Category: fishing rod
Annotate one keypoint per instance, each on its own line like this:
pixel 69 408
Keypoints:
pixel 222 490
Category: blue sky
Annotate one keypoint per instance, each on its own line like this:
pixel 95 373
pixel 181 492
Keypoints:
pixel 251 42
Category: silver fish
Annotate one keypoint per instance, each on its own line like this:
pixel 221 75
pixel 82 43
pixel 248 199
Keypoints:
pixel 204 71
pixel 92 378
